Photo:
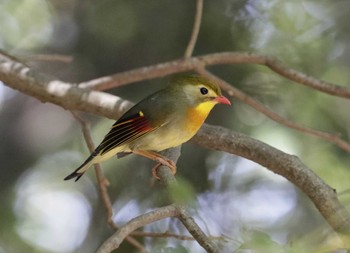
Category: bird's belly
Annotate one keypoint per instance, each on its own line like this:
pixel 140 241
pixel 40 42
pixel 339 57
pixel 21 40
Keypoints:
pixel 176 132
pixel 162 138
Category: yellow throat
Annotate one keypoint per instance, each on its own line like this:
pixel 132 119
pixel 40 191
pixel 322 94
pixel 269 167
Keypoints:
pixel 197 115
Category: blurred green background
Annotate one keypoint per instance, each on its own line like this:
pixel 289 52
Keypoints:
pixel 250 207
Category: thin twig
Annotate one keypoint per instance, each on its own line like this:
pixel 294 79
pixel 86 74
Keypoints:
pixel 232 91
pixel 103 183
pixel 48 57
pixel 176 236
pixel 101 180
pixel 162 235
pixel 195 30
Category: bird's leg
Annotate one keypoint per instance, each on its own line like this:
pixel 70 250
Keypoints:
pixel 155 171
pixel 158 158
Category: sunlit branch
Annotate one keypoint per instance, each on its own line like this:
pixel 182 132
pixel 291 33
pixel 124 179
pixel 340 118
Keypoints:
pixel 103 183
pixel 19 76
pixel 195 30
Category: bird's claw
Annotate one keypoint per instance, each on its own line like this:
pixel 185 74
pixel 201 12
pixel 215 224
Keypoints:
pixel 166 162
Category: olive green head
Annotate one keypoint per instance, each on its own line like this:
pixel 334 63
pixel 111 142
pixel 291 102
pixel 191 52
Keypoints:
pixel 195 89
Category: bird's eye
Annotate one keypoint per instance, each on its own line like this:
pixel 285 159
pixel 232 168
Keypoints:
pixel 204 90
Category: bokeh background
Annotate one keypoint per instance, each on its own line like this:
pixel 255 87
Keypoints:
pixel 245 204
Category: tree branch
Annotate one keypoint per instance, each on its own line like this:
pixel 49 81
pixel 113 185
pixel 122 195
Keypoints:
pixel 196 231
pixel 195 30
pixel 289 166
pixel 117 238
pixel 165 235
pixel 19 76
pixel 190 64
pixel 198 64
pixel 333 138
pixel 174 210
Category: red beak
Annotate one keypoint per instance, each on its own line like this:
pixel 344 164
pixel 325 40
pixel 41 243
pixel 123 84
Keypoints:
pixel 223 100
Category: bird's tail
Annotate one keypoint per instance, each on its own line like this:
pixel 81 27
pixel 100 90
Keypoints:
pixel 81 169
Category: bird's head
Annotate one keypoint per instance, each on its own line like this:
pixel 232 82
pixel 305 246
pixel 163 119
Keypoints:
pixel 197 90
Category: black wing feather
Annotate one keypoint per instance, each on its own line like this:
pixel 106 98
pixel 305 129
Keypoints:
pixel 124 131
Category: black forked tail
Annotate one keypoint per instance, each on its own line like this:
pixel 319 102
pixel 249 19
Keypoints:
pixel 81 170
pixel 75 174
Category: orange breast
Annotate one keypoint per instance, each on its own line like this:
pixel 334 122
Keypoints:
pixel 197 115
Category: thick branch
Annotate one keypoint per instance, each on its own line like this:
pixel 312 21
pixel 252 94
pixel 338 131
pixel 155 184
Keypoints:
pixel 290 167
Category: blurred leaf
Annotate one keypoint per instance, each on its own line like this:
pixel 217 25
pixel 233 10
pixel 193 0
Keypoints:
pixel 25 24
pixel 182 192
pixel 178 249
pixel 260 242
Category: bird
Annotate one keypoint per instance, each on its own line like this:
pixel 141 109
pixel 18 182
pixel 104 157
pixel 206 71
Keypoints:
pixel 164 119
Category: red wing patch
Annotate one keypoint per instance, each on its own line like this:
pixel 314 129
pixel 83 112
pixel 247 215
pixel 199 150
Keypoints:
pixel 125 131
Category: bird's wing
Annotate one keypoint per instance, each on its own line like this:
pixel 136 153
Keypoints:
pixel 126 130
